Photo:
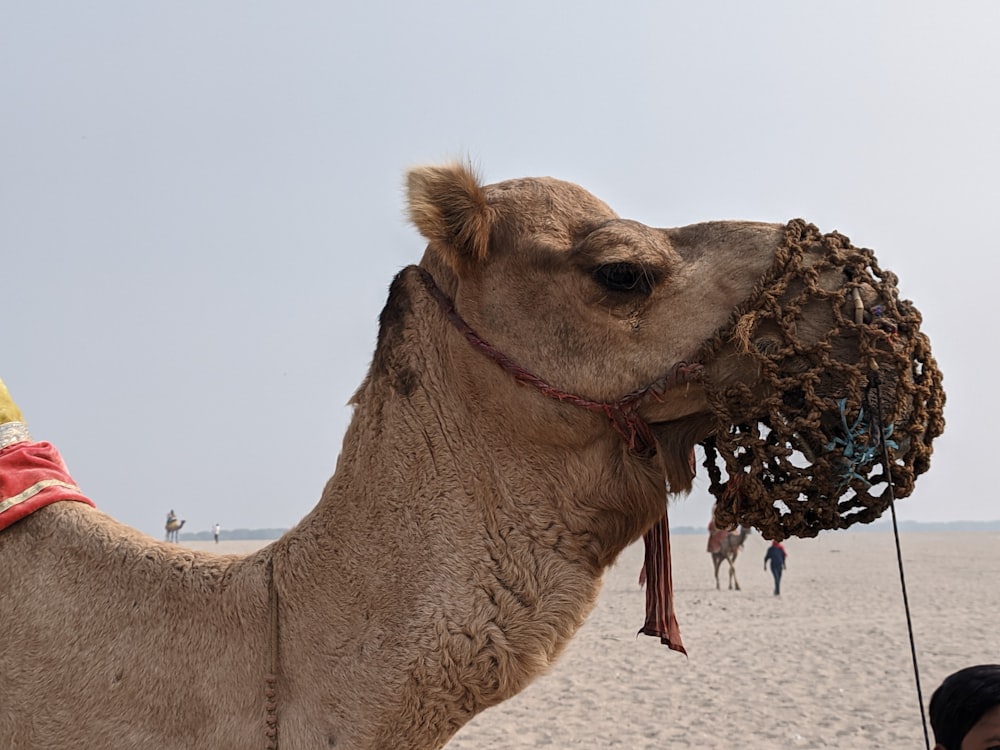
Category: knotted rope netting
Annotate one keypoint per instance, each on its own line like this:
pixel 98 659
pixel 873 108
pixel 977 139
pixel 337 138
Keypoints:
pixel 805 452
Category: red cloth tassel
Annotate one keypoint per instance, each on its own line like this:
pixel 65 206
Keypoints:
pixel 33 475
pixel 660 619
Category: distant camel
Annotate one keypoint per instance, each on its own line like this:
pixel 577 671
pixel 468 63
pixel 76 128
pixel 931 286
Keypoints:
pixel 173 529
pixel 518 428
pixel 726 546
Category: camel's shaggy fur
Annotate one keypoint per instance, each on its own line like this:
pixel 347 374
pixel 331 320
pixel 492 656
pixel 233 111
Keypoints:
pixel 460 542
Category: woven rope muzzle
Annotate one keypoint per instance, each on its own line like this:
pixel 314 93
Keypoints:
pixel 803 447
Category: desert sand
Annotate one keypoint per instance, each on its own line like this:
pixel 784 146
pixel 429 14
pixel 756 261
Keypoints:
pixel 825 665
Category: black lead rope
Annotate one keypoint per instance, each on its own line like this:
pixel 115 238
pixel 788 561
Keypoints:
pixel 876 381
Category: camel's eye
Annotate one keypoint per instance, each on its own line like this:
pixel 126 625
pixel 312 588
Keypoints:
pixel 624 277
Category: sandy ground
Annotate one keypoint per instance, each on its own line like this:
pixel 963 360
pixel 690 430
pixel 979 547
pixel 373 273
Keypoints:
pixel 825 665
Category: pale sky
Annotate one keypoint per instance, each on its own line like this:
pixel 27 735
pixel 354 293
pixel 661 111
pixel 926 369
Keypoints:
pixel 201 205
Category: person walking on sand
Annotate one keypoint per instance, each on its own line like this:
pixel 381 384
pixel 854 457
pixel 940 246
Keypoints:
pixel 776 555
pixel 965 709
pixel 215 531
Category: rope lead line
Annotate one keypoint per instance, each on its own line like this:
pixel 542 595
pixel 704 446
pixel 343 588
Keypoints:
pixel 271 679
pixel 876 381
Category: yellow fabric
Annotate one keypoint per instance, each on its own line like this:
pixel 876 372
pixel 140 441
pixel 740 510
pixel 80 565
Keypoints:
pixel 8 409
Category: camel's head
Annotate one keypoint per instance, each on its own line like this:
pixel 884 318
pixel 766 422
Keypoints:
pixel 806 364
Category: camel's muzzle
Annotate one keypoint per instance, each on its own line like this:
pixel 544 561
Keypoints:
pixel 842 401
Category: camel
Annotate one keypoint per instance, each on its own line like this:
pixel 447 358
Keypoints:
pixel 522 421
pixel 726 546
pixel 173 527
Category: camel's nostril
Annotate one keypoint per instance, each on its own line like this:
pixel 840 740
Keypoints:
pixel 767 345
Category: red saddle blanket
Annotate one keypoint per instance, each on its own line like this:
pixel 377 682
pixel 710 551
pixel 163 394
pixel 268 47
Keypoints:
pixel 33 475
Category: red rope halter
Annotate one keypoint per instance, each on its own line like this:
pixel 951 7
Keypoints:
pixel 622 413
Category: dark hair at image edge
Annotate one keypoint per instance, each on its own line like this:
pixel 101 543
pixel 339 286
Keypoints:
pixel 961 700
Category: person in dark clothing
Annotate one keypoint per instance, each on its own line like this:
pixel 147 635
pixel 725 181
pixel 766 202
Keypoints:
pixel 965 710
pixel 776 555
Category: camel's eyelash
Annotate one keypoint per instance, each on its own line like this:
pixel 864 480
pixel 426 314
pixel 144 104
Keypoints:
pixel 624 277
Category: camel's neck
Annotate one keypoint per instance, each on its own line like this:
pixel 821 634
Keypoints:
pixel 458 555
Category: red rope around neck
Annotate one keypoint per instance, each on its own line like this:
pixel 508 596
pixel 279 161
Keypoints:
pixel 622 413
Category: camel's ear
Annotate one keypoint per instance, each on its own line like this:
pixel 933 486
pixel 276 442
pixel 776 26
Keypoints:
pixel 449 207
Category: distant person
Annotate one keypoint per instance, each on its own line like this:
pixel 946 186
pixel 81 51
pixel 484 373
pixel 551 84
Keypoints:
pixel 215 533
pixel 171 516
pixel 776 556
pixel 965 710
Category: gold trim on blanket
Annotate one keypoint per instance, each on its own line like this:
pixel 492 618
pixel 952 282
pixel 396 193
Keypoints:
pixel 13 432
pixel 33 490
